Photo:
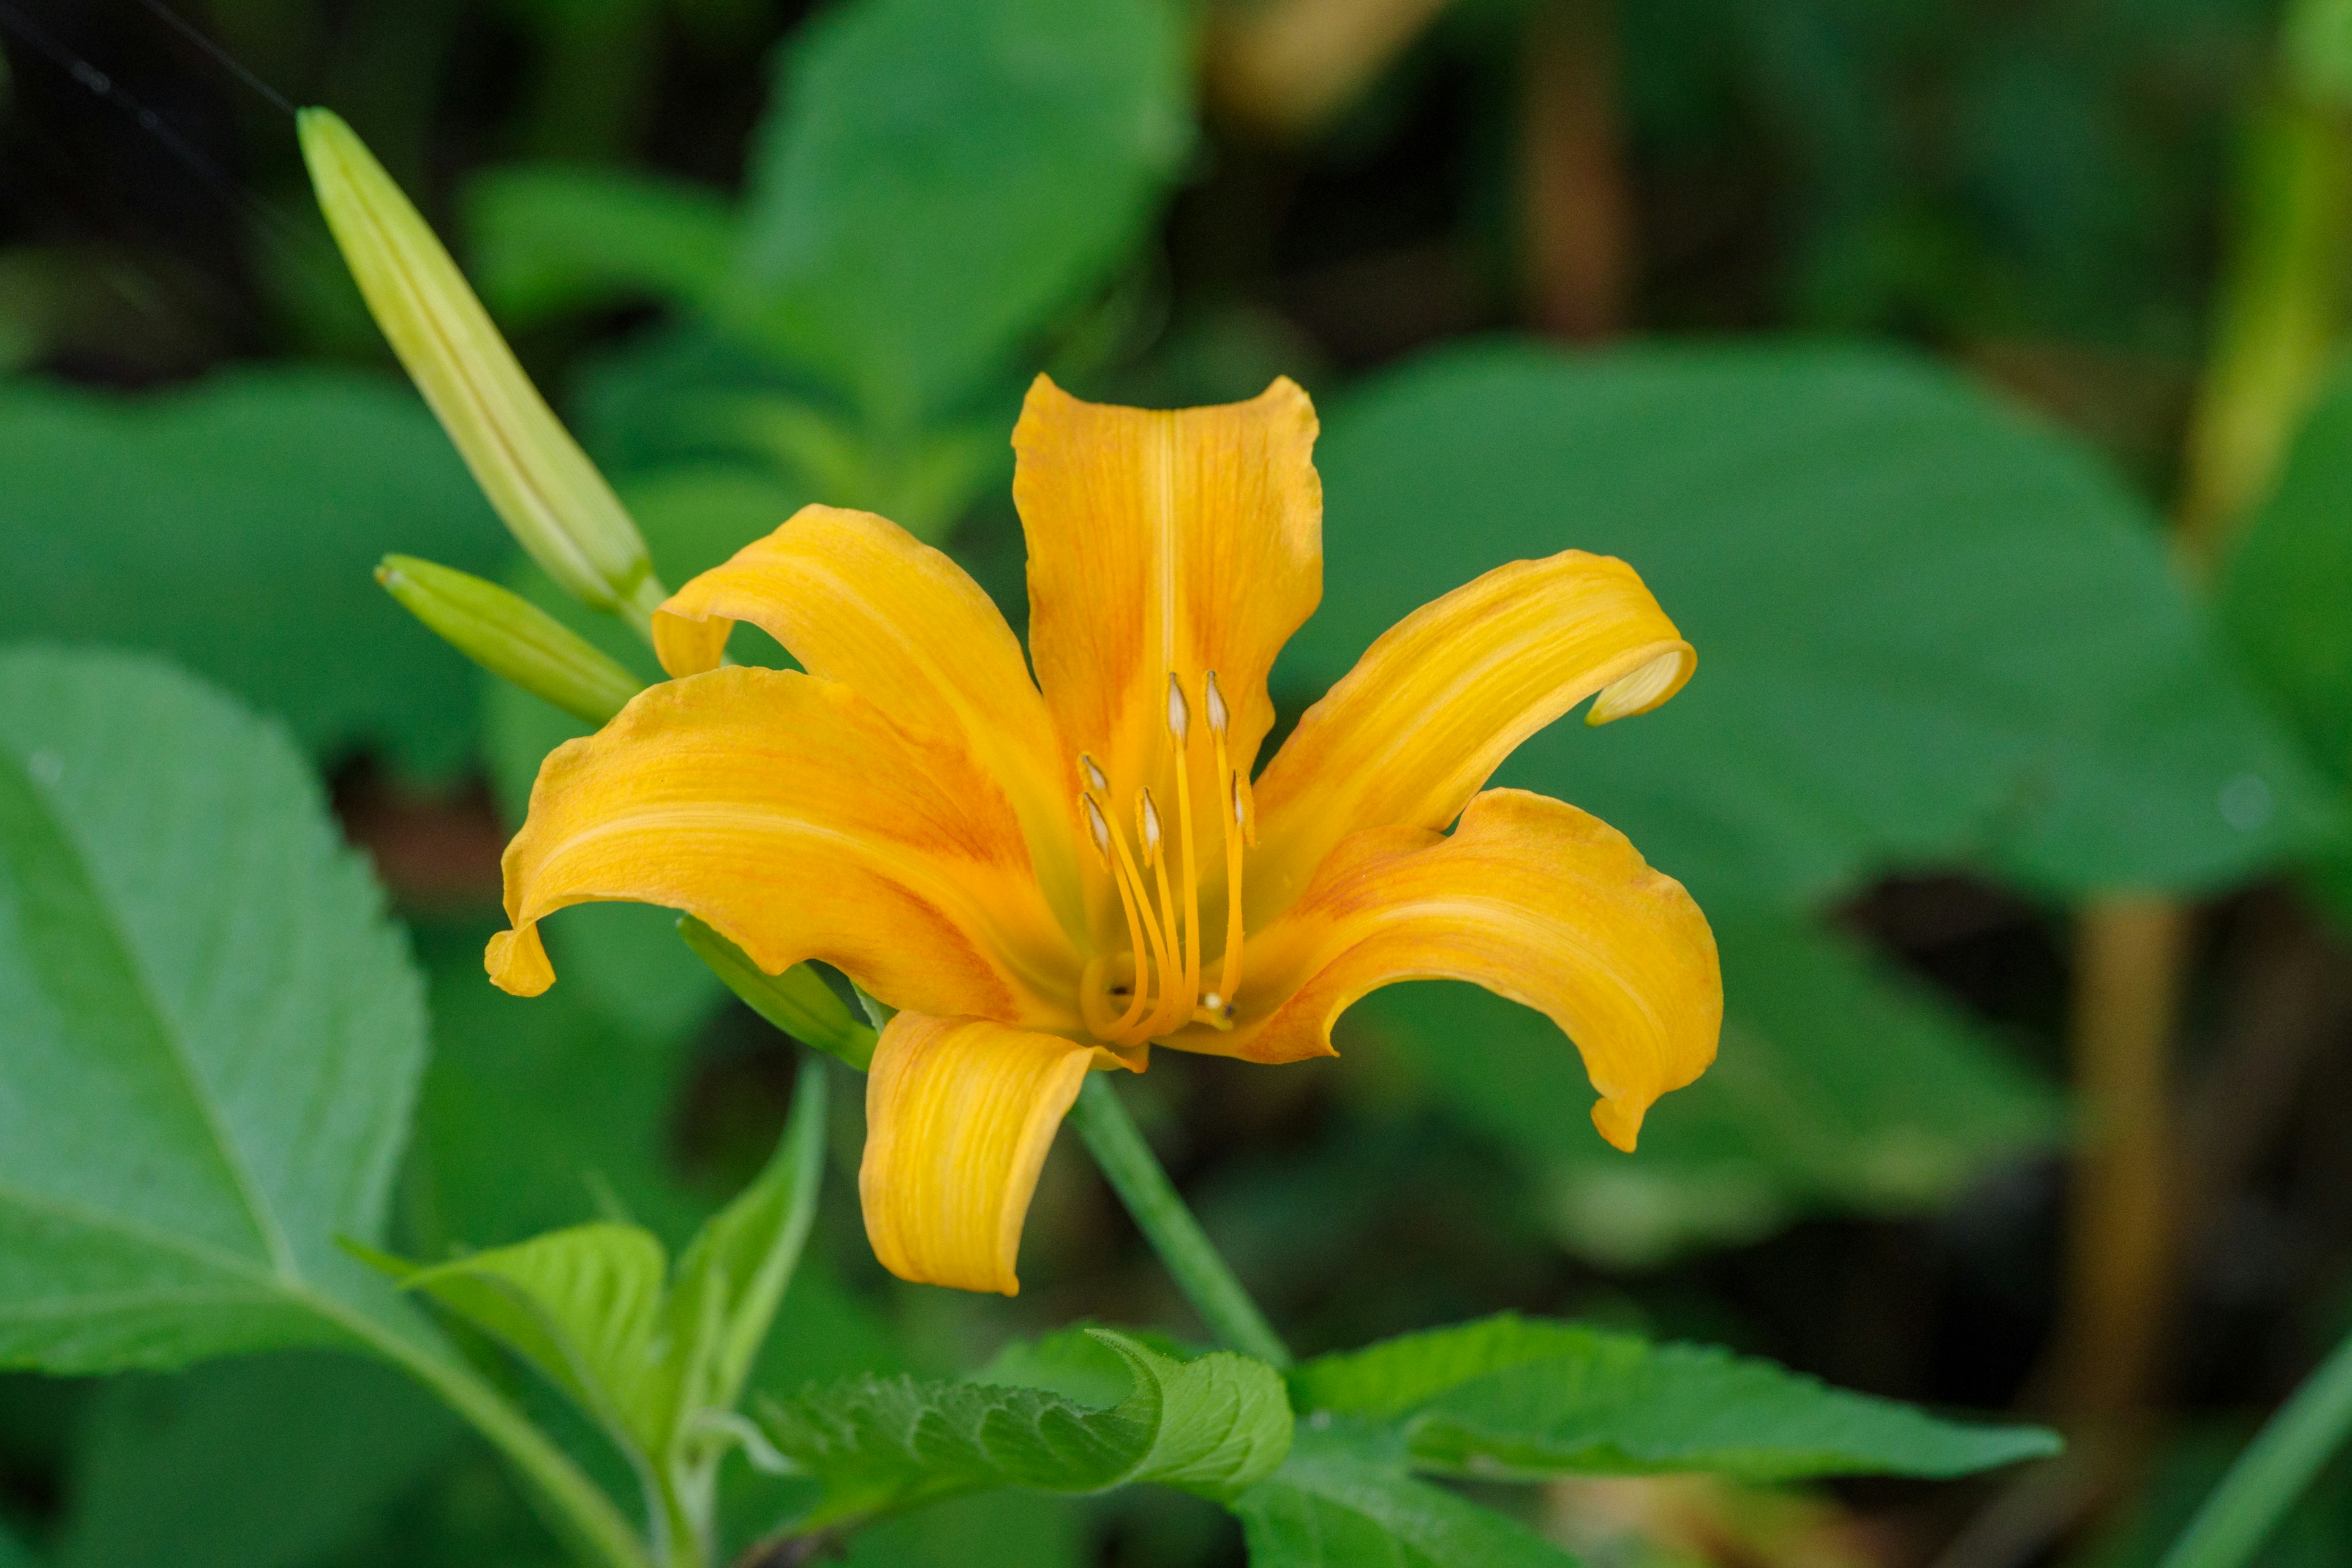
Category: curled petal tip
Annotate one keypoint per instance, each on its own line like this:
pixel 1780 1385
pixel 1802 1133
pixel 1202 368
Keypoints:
pixel 1645 688
pixel 517 961
pixel 1620 1122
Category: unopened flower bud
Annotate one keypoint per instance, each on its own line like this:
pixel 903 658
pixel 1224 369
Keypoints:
pixel 552 496
pixel 512 638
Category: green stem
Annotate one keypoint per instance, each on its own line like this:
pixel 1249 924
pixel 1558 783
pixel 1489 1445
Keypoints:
pixel 1201 1272
pixel 2272 1471
pixel 577 1506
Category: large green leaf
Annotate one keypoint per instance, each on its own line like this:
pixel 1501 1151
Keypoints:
pixel 261 1462
pixel 1839 1085
pixel 1214 1425
pixel 1928 628
pixel 209 1034
pixel 939 178
pixel 236 525
pixel 1519 1396
pixel 1335 1504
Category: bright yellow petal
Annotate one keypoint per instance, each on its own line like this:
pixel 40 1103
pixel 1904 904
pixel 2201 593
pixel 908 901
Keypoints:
pixel 1433 707
pixel 1531 898
pixel 959 1115
pixel 792 817
pixel 558 506
pixel 857 599
pixel 1164 543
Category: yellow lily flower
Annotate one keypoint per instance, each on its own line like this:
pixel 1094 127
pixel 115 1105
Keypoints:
pixel 1049 877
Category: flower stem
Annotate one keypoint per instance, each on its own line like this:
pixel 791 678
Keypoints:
pixel 2272 1472
pixel 1200 1271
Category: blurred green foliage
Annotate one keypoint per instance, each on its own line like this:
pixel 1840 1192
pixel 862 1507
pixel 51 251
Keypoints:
pixel 1936 633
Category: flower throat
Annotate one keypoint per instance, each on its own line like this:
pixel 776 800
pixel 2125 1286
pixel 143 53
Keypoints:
pixel 1164 932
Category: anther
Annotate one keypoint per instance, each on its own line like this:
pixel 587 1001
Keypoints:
pixel 1241 818
pixel 1213 701
pixel 1179 716
pixel 1098 827
pixel 1095 775
pixel 1147 826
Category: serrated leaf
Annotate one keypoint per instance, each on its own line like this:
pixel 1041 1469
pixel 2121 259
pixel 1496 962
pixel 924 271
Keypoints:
pixel 1839 1085
pixel 1928 628
pixel 1527 1398
pixel 234 525
pixel 1212 1426
pixel 581 1305
pixel 1333 1505
pixel 939 178
pixel 556 237
pixel 191 961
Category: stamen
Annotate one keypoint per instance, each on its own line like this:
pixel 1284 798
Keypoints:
pixel 1190 946
pixel 1147 826
pixel 1229 971
pixel 1095 777
pixel 1142 927
pixel 1097 828
pixel 1170 1008
pixel 1215 701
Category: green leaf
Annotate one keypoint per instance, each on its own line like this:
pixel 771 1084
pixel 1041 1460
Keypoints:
pixel 1333 1505
pixel 939 178
pixel 1841 1085
pixel 1928 628
pixel 553 237
pixel 234 525
pixel 1527 1398
pixel 581 1305
pixel 1212 1426
pixel 209 1033
pixel 275 1461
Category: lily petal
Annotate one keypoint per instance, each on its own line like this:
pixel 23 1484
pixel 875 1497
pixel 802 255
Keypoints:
pixel 1433 707
pixel 959 1115
pixel 857 599
pixel 1530 897
pixel 1165 543
pixel 792 817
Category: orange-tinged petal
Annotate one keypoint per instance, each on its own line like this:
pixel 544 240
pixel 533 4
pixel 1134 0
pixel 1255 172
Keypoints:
pixel 959 1115
pixel 1430 710
pixel 1530 897
pixel 1159 544
pixel 857 599
pixel 795 818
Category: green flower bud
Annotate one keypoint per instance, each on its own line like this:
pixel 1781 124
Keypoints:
pixel 512 638
pixel 558 506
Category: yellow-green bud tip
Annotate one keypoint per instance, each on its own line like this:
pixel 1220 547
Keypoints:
pixel 557 505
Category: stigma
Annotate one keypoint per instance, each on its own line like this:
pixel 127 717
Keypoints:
pixel 1158 878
